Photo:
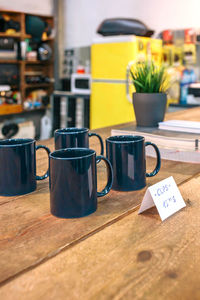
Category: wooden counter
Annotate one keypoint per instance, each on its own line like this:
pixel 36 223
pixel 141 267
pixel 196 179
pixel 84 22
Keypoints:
pixel 112 254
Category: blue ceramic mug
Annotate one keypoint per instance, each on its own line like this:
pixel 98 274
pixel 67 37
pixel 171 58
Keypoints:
pixel 73 182
pixel 127 156
pixel 74 138
pixel 18 166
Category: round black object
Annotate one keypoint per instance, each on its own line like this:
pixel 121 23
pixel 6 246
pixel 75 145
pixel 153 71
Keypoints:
pixel 35 26
pixel 44 52
pixel 9 130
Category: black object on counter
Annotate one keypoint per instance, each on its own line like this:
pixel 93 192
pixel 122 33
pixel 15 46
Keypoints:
pixel 127 156
pixel 18 166
pixel 75 137
pixel 124 26
pixel 73 182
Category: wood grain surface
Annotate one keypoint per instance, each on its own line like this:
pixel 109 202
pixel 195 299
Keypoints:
pixel 29 233
pixel 43 257
pixel 137 257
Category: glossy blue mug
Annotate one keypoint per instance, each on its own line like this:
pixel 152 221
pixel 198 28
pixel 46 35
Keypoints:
pixel 73 182
pixel 127 156
pixel 18 166
pixel 73 137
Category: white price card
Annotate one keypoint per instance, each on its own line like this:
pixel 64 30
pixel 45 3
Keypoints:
pixel 166 196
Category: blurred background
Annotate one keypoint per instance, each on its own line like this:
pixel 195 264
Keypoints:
pixel 66 63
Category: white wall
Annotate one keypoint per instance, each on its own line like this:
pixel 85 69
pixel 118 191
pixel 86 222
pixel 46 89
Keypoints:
pixel 82 17
pixel 44 7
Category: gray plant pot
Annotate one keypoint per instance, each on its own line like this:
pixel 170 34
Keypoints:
pixel 149 108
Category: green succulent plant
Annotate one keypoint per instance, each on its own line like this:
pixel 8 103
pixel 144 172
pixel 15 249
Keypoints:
pixel 149 78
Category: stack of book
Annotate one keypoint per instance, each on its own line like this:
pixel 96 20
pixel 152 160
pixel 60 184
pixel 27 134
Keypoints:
pixel 180 126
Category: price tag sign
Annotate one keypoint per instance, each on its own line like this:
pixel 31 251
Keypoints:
pixel 166 196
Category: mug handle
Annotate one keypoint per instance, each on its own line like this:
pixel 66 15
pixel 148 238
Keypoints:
pixel 108 186
pixel 100 140
pixel 47 172
pixel 157 168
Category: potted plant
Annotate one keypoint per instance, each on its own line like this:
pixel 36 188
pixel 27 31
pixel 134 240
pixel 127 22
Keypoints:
pixel 150 99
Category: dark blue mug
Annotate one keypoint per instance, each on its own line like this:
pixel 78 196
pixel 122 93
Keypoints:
pixel 127 156
pixel 73 182
pixel 74 138
pixel 18 166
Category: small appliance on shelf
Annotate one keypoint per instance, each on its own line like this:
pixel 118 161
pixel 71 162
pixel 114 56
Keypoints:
pixel 80 83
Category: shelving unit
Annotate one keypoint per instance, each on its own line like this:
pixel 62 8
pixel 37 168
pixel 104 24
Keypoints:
pixel 45 67
pixel 37 85
pixel 9 61
pixel 15 35
pixel 8 109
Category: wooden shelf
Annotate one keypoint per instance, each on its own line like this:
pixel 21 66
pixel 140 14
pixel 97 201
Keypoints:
pixel 26 36
pixel 9 61
pixel 48 39
pixel 27 62
pixel 11 109
pixel 36 85
pixel 13 35
pixel 23 66
pixel 14 86
pixel 38 62
pixel 16 35
pixel 8 109
pixel 42 108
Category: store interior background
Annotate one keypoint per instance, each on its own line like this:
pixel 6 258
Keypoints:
pixel 87 14
pixel 78 20
pixel 158 15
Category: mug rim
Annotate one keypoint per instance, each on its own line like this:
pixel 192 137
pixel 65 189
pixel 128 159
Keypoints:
pixel 15 142
pixel 71 130
pixel 65 150
pixel 112 138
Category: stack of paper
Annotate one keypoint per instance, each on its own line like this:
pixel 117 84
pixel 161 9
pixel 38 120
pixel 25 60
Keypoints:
pixel 178 125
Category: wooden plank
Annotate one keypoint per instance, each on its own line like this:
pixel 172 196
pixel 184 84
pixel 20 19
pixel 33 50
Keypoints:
pixel 39 62
pixel 7 109
pixel 9 61
pixel 10 35
pixel 38 85
pixel 15 35
pixel 137 257
pixel 30 233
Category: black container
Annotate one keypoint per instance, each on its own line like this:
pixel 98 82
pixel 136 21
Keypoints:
pixel 127 156
pixel 74 137
pixel 149 108
pixel 18 166
pixel 73 182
